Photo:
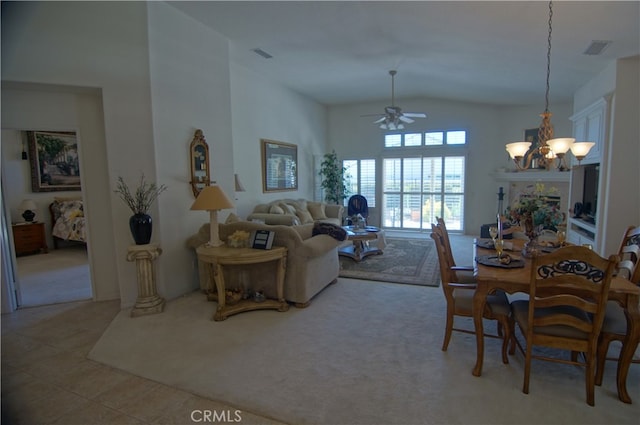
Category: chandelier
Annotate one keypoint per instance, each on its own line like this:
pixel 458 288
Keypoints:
pixel 548 148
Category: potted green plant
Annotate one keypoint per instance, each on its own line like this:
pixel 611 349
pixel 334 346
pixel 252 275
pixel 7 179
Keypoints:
pixel 333 178
pixel 139 203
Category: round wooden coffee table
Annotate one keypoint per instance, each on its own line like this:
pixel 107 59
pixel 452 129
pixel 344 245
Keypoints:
pixel 360 238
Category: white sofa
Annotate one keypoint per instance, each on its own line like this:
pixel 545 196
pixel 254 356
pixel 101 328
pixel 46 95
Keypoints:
pixel 293 212
pixel 312 261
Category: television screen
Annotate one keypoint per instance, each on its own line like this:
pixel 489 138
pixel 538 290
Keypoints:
pixel 590 191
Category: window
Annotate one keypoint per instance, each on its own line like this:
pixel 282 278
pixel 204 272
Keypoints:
pixel 419 186
pixel 431 138
pixel 361 178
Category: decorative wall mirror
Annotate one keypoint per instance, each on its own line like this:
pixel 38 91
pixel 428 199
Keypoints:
pixel 200 172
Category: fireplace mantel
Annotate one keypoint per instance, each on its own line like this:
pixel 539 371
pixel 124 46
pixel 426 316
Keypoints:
pixel 532 176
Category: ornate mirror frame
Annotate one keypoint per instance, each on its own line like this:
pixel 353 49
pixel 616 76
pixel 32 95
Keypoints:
pixel 199 157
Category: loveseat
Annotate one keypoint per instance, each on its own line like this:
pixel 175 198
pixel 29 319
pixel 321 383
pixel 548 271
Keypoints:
pixel 312 261
pixel 293 212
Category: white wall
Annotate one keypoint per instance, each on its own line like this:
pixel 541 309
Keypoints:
pixel 190 89
pixel 102 45
pixel 488 128
pixel 38 107
pixel 623 173
pixel 161 76
pixel 262 109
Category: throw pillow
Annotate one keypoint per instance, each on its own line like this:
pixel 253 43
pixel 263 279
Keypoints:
pixel 232 218
pixel 304 216
pixel 336 232
pixel 288 208
pixel 317 210
pixel 275 209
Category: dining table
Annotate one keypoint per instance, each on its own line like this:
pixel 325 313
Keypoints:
pixel 516 279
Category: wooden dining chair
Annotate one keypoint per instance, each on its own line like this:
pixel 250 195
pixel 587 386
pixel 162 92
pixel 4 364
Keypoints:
pixel 461 273
pixel 447 242
pixel 614 327
pixel 459 297
pixel 567 296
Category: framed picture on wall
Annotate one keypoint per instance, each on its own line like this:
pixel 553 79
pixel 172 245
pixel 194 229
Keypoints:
pixel 54 161
pixel 279 166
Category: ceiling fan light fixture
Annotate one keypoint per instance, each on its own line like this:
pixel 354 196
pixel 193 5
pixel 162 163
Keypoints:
pixel 393 117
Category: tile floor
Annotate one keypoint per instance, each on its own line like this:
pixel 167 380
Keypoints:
pixel 47 379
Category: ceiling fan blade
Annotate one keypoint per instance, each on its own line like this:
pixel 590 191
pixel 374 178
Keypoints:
pixel 404 118
pixel 372 115
pixel 415 114
pixel 381 119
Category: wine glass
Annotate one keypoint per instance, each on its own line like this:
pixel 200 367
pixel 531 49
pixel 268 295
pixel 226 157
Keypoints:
pixel 499 244
pixel 493 232
pixel 562 237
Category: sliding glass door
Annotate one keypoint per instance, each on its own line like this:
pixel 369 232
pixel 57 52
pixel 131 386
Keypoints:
pixel 416 189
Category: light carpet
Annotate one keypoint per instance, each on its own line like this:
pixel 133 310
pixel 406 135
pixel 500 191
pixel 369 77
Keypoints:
pixel 361 353
pixel 409 261
pixel 62 275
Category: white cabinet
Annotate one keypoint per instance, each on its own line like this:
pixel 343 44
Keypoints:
pixel 589 125
pixel 584 188
pixel 588 180
pixel 579 232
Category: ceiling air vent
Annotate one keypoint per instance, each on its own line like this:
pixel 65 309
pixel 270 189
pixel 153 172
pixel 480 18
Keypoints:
pixel 596 47
pixel 262 53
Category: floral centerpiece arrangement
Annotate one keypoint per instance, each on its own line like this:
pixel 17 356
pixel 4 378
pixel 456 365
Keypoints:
pixel 239 239
pixel 139 203
pixel 534 211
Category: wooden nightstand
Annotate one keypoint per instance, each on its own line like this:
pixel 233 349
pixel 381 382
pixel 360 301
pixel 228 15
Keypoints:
pixel 29 238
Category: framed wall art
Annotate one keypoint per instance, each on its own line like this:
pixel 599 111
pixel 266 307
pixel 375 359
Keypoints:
pixel 279 166
pixel 54 161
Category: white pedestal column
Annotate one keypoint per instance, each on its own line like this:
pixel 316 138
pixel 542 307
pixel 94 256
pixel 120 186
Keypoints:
pixel 148 301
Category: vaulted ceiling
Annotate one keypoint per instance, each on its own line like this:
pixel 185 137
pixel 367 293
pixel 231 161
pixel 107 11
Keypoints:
pixel 478 51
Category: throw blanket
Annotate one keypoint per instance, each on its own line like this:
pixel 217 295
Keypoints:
pixel 70 221
pixel 336 232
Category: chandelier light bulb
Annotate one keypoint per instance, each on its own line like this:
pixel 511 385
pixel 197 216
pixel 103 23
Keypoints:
pixel 581 149
pixel 518 149
pixel 561 145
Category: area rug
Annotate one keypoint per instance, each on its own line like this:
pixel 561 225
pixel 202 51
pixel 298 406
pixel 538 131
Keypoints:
pixel 408 261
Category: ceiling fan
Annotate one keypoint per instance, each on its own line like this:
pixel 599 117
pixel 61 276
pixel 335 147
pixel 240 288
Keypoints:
pixel 393 117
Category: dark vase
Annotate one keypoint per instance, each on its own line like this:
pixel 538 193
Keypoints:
pixel 140 225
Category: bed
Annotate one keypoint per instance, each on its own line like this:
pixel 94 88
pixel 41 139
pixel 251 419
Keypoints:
pixel 67 221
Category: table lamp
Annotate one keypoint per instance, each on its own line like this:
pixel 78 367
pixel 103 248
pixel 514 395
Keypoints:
pixel 29 207
pixel 212 199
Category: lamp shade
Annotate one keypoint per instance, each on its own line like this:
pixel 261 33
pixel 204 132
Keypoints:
pixel 212 198
pixel 518 149
pixel 28 205
pixel 28 208
pixel 560 145
pixel 581 149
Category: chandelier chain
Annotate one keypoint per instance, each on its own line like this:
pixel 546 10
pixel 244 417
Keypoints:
pixel 546 99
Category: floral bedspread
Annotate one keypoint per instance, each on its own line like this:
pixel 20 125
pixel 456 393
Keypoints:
pixel 70 221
